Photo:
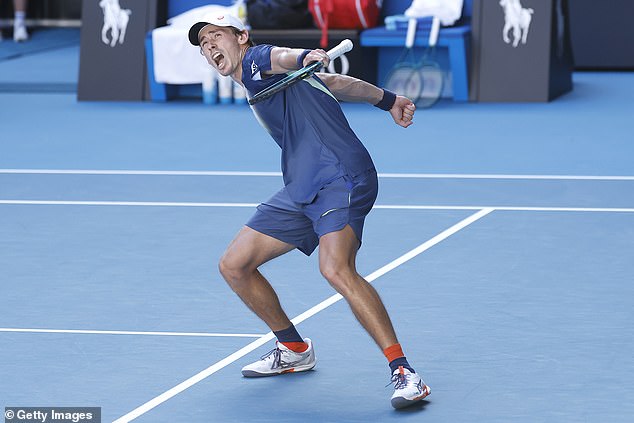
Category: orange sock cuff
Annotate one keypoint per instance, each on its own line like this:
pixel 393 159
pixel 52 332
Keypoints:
pixel 393 352
pixel 298 347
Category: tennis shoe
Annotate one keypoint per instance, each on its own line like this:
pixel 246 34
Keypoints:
pixel 282 360
pixel 409 388
pixel 20 34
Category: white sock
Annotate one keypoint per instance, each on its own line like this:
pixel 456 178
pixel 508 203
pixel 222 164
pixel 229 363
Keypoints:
pixel 19 19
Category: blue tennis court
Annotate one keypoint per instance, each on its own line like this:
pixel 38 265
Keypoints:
pixel 501 243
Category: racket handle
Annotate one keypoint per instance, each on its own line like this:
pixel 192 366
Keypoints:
pixel 343 47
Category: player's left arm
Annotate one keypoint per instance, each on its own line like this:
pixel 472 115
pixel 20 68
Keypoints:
pixel 348 88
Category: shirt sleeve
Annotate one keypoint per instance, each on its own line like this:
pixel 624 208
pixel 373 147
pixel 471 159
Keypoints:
pixel 257 60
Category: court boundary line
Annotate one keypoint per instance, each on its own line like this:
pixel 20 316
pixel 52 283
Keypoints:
pixel 124 332
pixel 376 206
pixel 279 174
pixel 154 402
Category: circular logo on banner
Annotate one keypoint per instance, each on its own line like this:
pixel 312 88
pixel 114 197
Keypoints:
pixel 345 66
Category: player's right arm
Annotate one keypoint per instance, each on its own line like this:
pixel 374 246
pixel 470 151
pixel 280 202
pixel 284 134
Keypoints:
pixel 284 59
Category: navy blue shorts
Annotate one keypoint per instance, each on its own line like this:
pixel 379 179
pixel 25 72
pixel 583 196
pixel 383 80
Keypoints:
pixel 344 201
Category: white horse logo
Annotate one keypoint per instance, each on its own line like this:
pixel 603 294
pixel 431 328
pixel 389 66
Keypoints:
pixel 516 18
pixel 115 20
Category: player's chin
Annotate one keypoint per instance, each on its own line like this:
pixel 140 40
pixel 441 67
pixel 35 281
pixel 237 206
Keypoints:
pixel 224 71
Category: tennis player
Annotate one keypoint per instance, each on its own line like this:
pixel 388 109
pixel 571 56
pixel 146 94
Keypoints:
pixel 330 185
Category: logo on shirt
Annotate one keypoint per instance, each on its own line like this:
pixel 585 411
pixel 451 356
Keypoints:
pixel 255 72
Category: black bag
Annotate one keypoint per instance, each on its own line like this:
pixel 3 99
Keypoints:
pixel 279 14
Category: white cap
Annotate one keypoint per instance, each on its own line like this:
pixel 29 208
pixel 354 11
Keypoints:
pixel 217 19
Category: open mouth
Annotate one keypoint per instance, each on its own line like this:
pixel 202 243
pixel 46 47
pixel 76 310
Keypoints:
pixel 218 58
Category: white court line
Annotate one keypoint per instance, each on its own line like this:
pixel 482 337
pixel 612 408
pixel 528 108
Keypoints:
pixel 376 206
pixel 307 314
pixel 125 203
pixel 510 208
pixel 123 332
pixel 136 172
pixel 503 176
pixel 278 174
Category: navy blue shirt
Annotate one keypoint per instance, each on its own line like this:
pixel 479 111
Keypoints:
pixel 306 121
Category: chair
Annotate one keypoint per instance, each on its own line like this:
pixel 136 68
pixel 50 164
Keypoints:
pixel 456 39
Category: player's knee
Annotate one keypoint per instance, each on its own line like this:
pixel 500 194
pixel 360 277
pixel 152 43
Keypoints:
pixel 340 277
pixel 224 267
pixel 231 269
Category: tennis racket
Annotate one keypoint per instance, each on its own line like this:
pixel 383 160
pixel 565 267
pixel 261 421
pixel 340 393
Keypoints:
pixel 430 71
pixel 303 73
pixel 404 78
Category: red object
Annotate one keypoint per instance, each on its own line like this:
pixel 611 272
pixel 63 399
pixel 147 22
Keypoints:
pixel 344 14
pixel 393 352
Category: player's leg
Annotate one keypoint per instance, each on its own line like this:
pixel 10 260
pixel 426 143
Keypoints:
pixel 337 256
pixel 338 216
pixel 19 26
pixel 276 228
pixel 239 267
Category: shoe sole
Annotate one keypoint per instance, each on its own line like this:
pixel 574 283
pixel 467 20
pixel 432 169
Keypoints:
pixel 400 402
pixel 253 373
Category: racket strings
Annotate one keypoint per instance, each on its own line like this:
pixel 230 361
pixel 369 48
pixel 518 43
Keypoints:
pixel 421 80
